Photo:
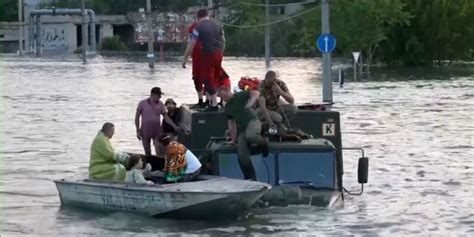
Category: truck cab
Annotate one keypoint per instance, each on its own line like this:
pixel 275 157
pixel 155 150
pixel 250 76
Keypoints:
pixel 307 172
pixel 300 173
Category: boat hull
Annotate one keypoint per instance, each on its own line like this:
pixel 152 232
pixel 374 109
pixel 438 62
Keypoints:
pixel 171 200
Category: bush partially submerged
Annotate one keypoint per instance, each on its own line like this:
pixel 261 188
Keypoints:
pixel 113 43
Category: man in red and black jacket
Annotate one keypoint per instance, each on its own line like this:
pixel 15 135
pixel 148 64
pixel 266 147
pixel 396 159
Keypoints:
pixel 211 37
pixel 197 60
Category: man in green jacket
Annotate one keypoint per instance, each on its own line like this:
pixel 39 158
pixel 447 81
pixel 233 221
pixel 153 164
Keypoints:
pixel 105 163
pixel 244 126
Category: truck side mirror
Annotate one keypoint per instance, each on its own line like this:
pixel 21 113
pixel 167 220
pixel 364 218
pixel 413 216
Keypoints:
pixel 363 170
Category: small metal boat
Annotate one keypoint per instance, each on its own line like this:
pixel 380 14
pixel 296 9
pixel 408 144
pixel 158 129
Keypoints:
pixel 210 197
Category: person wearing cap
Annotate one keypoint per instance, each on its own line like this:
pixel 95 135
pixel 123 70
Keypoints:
pixel 173 113
pixel 149 112
pixel 244 126
pixel 180 163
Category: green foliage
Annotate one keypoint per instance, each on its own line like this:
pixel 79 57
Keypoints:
pixel 9 10
pixel 244 41
pixel 407 32
pixel 438 30
pixel 113 43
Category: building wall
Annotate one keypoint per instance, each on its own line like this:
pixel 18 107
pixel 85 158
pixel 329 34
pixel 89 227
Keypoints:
pixel 107 31
pixel 9 32
pixel 58 37
pixel 167 27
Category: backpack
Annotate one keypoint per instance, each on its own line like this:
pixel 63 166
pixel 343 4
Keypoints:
pixel 249 83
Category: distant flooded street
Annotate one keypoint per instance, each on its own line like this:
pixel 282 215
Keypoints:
pixel 417 127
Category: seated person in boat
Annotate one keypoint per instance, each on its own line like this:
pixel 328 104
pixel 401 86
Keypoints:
pixel 180 163
pixel 244 126
pixel 272 109
pixel 105 163
pixel 135 172
pixel 173 113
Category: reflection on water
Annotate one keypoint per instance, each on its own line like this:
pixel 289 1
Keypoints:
pixel 418 133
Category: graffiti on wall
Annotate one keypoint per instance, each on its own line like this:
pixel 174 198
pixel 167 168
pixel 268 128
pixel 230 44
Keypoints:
pixel 53 37
pixel 167 27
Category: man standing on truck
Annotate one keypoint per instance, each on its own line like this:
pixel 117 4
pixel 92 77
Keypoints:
pixel 197 60
pixel 212 39
pixel 244 126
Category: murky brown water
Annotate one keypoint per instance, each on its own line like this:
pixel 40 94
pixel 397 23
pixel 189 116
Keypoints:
pixel 417 127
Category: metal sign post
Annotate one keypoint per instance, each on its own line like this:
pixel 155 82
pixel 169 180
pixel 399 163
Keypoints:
pixel 20 27
pixel 267 34
pixel 326 43
pixel 150 55
pixel 84 32
pixel 356 59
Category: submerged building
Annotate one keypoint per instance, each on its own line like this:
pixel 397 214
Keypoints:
pixel 53 31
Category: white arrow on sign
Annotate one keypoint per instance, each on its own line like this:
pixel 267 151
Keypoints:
pixel 326 39
pixel 356 56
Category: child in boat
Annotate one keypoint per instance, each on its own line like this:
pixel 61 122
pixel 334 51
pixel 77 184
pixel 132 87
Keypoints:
pixel 135 172
pixel 181 165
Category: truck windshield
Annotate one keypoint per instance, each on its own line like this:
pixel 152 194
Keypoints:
pixel 316 169
pixel 285 168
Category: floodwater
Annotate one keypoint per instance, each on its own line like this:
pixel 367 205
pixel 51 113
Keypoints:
pixel 416 126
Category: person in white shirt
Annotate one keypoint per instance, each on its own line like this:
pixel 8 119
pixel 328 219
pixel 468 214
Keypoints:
pixel 180 163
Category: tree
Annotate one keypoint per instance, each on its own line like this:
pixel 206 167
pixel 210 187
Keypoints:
pixel 439 30
pixel 407 32
pixel 241 40
pixel 362 25
pixel 8 10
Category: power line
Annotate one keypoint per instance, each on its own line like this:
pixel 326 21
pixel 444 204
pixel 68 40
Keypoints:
pixel 270 23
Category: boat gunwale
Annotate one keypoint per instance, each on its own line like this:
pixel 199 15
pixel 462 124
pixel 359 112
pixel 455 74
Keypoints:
pixel 155 188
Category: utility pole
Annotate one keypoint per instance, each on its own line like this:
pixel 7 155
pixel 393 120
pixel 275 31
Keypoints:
pixel 20 27
pixel 210 7
pixel 355 70
pixel 84 32
pixel 327 79
pixel 151 54
pixel 267 34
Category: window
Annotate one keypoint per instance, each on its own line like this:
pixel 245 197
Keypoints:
pixel 317 169
pixel 282 10
pixel 264 167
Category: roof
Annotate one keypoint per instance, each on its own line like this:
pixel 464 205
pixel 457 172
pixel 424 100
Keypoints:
pixel 309 144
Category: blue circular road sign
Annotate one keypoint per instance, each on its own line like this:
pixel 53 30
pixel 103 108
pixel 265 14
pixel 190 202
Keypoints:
pixel 326 43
